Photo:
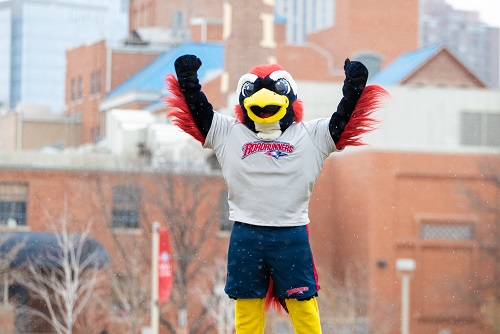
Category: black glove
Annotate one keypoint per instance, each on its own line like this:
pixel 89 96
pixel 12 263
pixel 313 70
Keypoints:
pixel 356 75
pixel 187 65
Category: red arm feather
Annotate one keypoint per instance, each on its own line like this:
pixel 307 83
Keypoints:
pixel 178 109
pixel 362 120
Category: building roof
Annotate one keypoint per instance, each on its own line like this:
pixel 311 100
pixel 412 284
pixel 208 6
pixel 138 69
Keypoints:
pixel 152 77
pixel 405 65
pixel 410 63
pixel 42 248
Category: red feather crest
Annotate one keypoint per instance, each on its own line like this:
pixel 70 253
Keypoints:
pixel 264 70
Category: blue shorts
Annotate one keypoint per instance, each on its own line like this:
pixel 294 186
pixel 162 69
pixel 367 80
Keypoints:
pixel 257 253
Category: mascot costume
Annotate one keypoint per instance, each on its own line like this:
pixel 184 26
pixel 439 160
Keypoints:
pixel 270 160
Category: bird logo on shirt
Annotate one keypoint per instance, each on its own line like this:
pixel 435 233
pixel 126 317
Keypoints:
pixel 275 154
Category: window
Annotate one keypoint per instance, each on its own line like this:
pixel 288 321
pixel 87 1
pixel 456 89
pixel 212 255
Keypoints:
pixel 13 204
pixel 446 231
pixel 92 83
pixel 95 83
pixel 72 90
pixel 480 129
pixel 179 20
pixel 371 61
pixel 225 224
pixel 80 88
pixel 126 205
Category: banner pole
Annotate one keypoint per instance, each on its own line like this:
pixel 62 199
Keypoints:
pixel 155 312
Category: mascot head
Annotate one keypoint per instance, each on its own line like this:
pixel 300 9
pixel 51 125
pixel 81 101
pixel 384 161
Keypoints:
pixel 268 102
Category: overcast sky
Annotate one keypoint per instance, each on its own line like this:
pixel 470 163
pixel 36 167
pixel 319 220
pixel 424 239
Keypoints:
pixel 489 10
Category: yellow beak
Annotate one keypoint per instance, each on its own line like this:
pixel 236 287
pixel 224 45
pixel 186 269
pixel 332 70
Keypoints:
pixel 263 98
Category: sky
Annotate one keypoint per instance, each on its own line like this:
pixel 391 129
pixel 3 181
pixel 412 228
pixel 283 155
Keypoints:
pixel 489 10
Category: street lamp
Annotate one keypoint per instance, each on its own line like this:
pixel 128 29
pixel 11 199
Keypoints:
pixel 405 267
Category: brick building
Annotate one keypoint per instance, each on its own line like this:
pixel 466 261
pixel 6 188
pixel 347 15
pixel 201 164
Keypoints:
pixel 121 202
pixel 359 33
pixel 176 15
pixel 371 208
pixel 91 72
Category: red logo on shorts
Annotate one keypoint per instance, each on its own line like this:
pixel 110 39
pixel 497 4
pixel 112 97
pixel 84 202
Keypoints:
pixel 299 291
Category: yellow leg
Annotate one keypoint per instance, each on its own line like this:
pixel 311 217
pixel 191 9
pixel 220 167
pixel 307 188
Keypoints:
pixel 249 316
pixel 304 315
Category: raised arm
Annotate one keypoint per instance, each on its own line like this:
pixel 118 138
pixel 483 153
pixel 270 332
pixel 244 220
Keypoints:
pixel 356 75
pixel 190 108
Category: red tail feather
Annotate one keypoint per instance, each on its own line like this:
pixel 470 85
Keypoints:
pixel 179 110
pixel 362 120
pixel 273 301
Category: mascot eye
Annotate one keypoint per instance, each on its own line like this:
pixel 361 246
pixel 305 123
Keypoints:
pixel 247 89
pixel 282 87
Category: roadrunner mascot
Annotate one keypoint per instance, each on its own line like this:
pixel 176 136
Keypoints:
pixel 270 160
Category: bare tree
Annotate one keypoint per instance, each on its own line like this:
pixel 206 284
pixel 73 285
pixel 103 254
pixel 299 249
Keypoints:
pixel 490 309
pixel 9 250
pixel 219 307
pixel 63 279
pixel 484 201
pixel 131 288
pixel 188 203
pixel 345 304
pixel 345 300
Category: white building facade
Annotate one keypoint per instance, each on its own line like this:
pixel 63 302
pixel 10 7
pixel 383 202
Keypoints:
pixel 414 118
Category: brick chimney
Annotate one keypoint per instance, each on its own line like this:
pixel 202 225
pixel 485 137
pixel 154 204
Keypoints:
pixel 249 36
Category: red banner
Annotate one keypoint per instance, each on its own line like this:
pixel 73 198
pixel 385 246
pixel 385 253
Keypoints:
pixel 165 266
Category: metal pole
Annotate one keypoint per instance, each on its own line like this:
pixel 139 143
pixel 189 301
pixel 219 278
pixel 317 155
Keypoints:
pixel 155 312
pixel 182 321
pixel 405 267
pixel 405 303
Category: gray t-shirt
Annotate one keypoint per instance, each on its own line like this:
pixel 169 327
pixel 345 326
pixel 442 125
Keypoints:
pixel 270 182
